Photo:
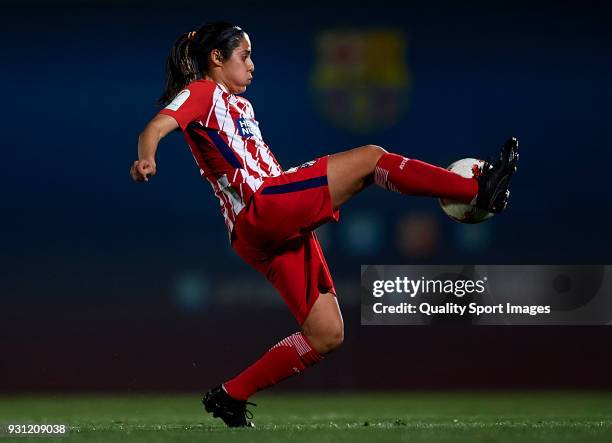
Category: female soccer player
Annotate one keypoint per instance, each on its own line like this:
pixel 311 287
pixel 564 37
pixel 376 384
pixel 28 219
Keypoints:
pixel 271 214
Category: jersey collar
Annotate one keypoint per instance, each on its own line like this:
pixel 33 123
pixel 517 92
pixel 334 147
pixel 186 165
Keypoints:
pixel 223 87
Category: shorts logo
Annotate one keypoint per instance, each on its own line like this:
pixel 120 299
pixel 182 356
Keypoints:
pixel 248 127
pixel 179 100
pixel 303 165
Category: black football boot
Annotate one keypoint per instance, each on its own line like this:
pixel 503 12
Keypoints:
pixel 233 412
pixel 494 180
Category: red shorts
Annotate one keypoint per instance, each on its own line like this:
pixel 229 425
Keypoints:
pixel 273 233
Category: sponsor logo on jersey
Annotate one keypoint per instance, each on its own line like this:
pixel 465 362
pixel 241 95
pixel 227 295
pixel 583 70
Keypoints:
pixel 179 100
pixel 247 127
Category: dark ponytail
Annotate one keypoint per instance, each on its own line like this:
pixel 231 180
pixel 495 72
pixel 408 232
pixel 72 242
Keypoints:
pixel 189 56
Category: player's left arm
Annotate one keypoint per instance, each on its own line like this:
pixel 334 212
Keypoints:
pixel 145 167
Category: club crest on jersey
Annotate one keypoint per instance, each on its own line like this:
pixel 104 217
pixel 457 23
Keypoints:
pixel 248 127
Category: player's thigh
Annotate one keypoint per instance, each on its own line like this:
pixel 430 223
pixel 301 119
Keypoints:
pixel 324 325
pixel 350 171
pixel 290 205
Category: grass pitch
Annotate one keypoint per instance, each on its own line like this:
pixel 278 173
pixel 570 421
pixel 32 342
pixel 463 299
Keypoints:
pixel 368 417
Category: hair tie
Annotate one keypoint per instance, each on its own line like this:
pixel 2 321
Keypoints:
pixel 191 35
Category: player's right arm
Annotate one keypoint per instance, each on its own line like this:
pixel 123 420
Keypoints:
pixel 145 167
pixel 191 104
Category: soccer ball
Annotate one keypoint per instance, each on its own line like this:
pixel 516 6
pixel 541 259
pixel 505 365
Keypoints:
pixel 461 212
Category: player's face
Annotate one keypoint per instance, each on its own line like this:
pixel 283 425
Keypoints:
pixel 238 69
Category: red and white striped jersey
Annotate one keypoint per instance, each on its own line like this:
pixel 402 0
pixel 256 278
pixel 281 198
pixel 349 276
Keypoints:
pixel 226 143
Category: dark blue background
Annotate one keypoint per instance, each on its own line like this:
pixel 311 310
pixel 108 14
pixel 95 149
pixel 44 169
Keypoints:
pixel 82 245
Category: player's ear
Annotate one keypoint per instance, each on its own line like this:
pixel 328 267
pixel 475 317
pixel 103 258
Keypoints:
pixel 216 57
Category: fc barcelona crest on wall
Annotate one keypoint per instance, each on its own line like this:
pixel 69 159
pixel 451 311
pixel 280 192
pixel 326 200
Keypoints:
pixel 361 79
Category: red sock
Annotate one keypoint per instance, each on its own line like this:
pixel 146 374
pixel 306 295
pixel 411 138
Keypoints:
pixel 414 177
pixel 288 357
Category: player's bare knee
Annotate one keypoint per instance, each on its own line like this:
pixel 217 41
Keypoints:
pixel 331 340
pixel 375 152
pixel 326 340
pixel 336 339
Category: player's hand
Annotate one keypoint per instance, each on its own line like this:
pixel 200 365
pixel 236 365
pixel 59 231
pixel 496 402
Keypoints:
pixel 142 170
